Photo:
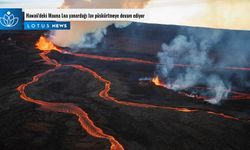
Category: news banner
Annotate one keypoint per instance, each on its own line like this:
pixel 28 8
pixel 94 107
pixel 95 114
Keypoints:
pixel 59 19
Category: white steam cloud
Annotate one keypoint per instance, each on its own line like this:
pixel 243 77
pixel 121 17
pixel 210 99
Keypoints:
pixel 88 34
pixel 192 49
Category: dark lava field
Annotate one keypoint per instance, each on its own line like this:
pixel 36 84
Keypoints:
pixel 28 126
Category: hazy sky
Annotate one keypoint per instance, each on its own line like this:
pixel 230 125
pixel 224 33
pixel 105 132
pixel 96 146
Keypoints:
pixel 30 3
pixel 228 14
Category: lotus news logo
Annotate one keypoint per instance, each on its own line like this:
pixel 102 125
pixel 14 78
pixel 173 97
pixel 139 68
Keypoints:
pixel 11 19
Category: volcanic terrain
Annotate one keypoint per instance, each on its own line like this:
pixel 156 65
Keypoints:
pixel 93 99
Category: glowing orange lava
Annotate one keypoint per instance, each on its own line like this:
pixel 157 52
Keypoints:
pixel 44 44
pixel 106 58
pixel 156 80
pixel 87 124
pixel 236 95
pixel 105 93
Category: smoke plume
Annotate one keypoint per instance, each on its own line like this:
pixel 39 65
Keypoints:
pixel 207 51
pixel 88 34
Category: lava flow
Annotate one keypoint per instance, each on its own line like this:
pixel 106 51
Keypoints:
pixel 106 58
pixel 87 124
pixel 105 95
pixel 135 60
pixel 234 95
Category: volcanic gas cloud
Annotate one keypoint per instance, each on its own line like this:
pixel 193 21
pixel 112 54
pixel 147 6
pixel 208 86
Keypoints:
pixel 207 52
pixel 88 34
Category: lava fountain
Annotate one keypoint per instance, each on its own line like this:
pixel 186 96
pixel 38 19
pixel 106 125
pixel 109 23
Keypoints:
pixel 44 44
pixel 157 81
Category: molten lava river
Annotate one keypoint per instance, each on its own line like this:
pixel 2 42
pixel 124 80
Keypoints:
pixel 45 46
